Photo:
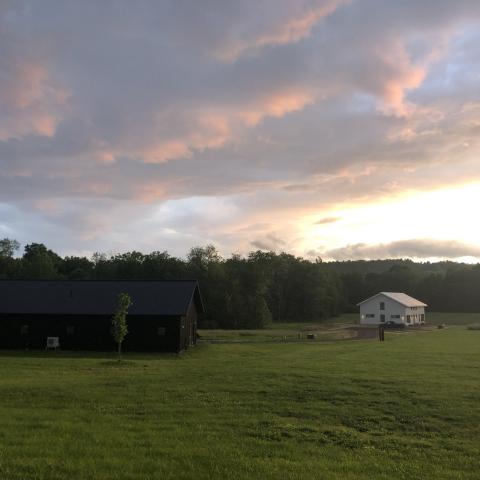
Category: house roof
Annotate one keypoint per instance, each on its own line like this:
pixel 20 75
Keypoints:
pixel 402 298
pixel 98 297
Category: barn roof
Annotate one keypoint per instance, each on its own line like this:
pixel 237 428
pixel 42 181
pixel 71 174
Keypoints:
pixel 402 298
pixel 98 297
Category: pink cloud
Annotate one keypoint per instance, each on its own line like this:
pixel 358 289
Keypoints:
pixel 277 105
pixel 405 76
pixel 210 129
pixel 30 102
pixel 292 25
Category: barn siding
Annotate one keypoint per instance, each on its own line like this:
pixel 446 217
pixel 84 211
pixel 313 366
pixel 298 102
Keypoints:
pixel 188 328
pixel 162 317
pixel 90 332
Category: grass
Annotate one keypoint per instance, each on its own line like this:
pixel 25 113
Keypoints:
pixel 332 329
pixel 277 332
pixel 453 318
pixel 403 409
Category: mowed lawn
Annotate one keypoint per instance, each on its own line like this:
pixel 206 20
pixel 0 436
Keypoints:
pixel 408 408
pixel 333 329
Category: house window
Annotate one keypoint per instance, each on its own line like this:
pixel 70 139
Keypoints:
pixel 161 331
pixel 370 315
pixel 408 318
pixel 24 330
pixel 394 316
pixel 70 330
pixel 382 317
pixel 422 317
pixel 382 305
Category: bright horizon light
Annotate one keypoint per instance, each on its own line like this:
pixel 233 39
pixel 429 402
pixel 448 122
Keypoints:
pixel 445 214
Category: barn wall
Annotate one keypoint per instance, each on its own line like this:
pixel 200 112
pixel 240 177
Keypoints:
pixel 188 328
pixel 193 322
pixel 146 333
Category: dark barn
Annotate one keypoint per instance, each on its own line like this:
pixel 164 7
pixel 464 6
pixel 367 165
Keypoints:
pixel 163 316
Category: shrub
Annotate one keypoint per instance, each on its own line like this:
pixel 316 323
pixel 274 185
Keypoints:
pixel 475 326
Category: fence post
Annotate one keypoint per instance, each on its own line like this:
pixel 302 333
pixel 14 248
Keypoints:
pixel 381 333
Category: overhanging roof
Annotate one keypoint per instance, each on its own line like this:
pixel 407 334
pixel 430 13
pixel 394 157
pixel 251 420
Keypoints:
pixel 98 297
pixel 402 298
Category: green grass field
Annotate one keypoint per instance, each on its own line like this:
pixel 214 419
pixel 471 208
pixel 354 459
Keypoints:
pixel 327 330
pixel 407 408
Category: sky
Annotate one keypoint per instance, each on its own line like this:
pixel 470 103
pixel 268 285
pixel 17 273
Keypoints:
pixel 340 129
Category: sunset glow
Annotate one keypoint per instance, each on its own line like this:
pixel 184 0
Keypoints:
pixel 418 216
pixel 339 129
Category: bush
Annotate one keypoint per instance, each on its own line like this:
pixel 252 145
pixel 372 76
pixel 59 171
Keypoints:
pixel 475 326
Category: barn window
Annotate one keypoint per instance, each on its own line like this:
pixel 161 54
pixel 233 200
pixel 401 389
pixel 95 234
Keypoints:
pixel 161 331
pixel 70 330
pixel 382 305
pixel 24 330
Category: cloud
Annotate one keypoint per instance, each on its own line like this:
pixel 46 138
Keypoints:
pixel 327 220
pixel 413 248
pixel 29 102
pixel 270 242
pixel 279 108
pixel 288 22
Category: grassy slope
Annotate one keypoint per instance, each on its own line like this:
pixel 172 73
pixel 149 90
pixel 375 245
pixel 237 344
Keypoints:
pixel 403 409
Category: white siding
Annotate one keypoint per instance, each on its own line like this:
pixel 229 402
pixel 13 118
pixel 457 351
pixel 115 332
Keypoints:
pixel 392 308
pixel 415 314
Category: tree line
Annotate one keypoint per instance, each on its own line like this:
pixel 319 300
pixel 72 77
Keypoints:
pixel 251 291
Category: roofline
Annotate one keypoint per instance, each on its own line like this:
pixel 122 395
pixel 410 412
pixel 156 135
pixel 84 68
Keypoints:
pixel 394 299
pixel 369 298
pixel 86 280
pixel 196 291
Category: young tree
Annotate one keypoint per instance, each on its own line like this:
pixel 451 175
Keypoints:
pixel 119 321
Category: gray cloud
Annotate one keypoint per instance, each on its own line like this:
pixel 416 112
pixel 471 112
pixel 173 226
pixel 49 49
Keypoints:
pixel 269 242
pixel 413 248
pixel 327 220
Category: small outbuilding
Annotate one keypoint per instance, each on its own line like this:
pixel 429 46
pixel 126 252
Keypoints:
pixel 392 307
pixel 163 316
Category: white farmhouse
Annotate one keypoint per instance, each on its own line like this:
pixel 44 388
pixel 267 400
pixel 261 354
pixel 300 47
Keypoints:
pixel 392 307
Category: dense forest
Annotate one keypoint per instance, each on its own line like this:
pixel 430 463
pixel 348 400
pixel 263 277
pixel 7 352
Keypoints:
pixel 248 292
